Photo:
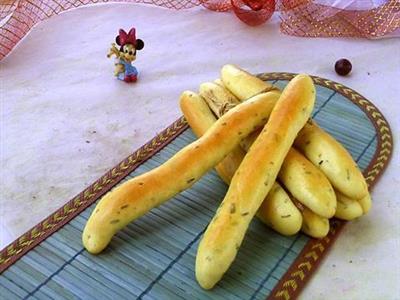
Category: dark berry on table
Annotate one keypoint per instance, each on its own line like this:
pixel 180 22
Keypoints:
pixel 343 67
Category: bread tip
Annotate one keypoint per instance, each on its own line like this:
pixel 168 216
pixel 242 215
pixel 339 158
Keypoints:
pixel 207 275
pixel 204 281
pixel 89 245
pixel 305 77
pixel 230 68
pixel 206 85
pixel 186 94
pixel 94 242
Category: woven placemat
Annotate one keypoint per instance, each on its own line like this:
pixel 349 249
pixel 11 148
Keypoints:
pixel 153 257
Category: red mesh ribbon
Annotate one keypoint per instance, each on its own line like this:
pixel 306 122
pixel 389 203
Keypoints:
pixel 309 19
pixel 299 17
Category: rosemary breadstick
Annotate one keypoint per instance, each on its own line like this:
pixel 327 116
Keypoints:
pixel 333 159
pixel 308 184
pixel 299 176
pixel 253 180
pixel 200 118
pixel 138 195
pixel 277 210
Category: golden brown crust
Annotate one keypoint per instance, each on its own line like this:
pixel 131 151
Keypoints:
pixel 137 196
pixel 253 180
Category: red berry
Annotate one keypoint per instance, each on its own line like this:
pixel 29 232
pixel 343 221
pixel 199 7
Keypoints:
pixel 343 67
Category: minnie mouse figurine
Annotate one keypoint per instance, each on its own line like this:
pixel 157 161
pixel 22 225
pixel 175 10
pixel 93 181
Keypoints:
pixel 126 54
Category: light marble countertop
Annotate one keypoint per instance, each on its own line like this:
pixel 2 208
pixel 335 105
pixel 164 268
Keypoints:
pixel 65 120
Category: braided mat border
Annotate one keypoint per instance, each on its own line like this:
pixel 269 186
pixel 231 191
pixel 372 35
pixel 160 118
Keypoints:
pixel 308 260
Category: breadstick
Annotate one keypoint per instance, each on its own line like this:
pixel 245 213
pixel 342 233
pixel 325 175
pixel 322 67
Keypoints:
pixel 308 184
pixel 197 113
pixel 304 181
pixel 277 210
pixel 200 118
pixel 137 196
pixel 253 180
pixel 347 209
pixel 314 225
pixel 242 84
pixel 333 159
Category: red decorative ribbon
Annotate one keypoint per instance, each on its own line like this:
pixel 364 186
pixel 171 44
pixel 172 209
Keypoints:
pixel 299 17
pixel 307 18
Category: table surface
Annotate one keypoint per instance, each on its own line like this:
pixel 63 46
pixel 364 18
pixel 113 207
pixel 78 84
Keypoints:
pixel 65 120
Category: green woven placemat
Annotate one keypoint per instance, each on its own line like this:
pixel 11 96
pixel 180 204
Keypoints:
pixel 154 257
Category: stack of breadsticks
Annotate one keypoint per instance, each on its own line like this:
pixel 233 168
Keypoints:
pixel 279 165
